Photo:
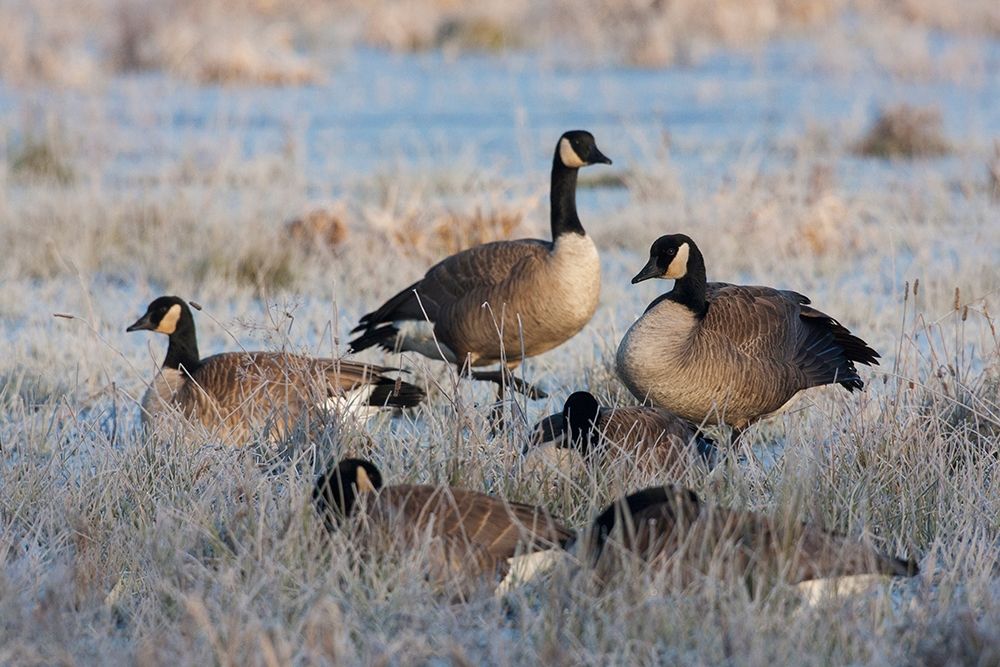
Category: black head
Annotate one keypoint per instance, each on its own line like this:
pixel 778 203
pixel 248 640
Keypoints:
pixel 577 148
pixel 165 315
pixel 668 258
pixel 580 414
pixel 682 504
pixel 337 489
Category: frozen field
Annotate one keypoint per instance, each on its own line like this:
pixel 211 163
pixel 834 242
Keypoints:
pixel 114 550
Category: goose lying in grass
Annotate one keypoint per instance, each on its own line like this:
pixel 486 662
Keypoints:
pixel 655 438
pixel 473 537
pixel 670 527
pixel 235 395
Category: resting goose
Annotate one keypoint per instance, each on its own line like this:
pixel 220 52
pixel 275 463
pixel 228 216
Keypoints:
pixel 235 394
pixel 498 303
pixel 475 536
pixel 655 437
pixel 670 526
pixel 733 354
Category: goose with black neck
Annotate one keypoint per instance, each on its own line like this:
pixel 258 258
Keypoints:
pixel 234 396
pixel 502 302
pixel 719 353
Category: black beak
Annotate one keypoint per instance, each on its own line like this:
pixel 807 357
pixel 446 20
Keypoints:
pixel 597 157
pixel 547 430
pixel 651 270
pixel 142 324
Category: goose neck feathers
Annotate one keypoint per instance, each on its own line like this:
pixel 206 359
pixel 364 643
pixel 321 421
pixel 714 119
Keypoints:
pixel 581 415
pixel 565 219
pixel 182 349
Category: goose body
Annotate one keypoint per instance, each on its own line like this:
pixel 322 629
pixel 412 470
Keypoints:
pixel 654 437
pixel 474 536
pixel 721 353
pixel 235 394
pixel 503 301
pixel 670 526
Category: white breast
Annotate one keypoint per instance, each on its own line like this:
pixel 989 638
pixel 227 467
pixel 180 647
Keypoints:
pixel 160 395
pixel 652 358
pixel 576 276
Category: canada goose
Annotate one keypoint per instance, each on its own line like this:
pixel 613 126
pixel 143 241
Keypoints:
pixel 721 353
pixel 234 393
pixel 501 302
pixel 652 434
pixel 670 526
pixel 475 535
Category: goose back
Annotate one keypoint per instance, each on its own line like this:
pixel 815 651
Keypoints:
pixel 470 537
pixel 539 292
pixel 670 527
pixel 233 394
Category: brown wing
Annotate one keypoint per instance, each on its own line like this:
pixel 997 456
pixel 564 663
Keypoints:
pixel 491 527
pixel 456 278
pixel 649 431
pixel 799 551
pixel 244 389
pixel 779 331
pixel 664 525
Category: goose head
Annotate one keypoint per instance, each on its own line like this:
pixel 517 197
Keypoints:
pixel 166 315
pixel 337 489
pixel 577 148
pixel 580 415
pixel 668 258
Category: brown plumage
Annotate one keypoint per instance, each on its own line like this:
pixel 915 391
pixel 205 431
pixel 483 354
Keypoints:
pixel 472 535
pixel 668 526
pixel 237 394
pixel 501 302
pixel 655 438
pixel 720 353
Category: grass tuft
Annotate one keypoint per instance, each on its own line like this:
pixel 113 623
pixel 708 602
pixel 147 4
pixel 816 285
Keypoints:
pixel 905 131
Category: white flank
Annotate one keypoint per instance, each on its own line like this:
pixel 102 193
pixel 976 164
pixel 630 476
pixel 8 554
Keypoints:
pixel 418 336
pixel 524 569
pixel 817 590
pixel 353 403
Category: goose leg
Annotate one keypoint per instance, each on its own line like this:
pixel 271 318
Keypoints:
pixel 503 377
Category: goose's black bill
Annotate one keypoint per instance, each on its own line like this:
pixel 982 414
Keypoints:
pixel 142 324
pixel 597 157
pixel 651 270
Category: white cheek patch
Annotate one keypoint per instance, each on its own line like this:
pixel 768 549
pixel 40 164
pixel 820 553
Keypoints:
pixel 168 324
pixel 678 267
pixel 568 155
pixel 364 482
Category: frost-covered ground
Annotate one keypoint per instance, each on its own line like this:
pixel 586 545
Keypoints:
pixel 116 550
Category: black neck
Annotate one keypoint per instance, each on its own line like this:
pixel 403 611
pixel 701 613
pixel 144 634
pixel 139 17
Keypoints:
pixel 563 200
pixel 183 347
pixel 582 434
pixel 690 290
pixel 334 499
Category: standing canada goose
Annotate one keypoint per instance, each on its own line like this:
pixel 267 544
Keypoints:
pixel 234 394
pixel 475 535
pixel 663 440
pixel 670 526
pixel 721 353
pixel 498 303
